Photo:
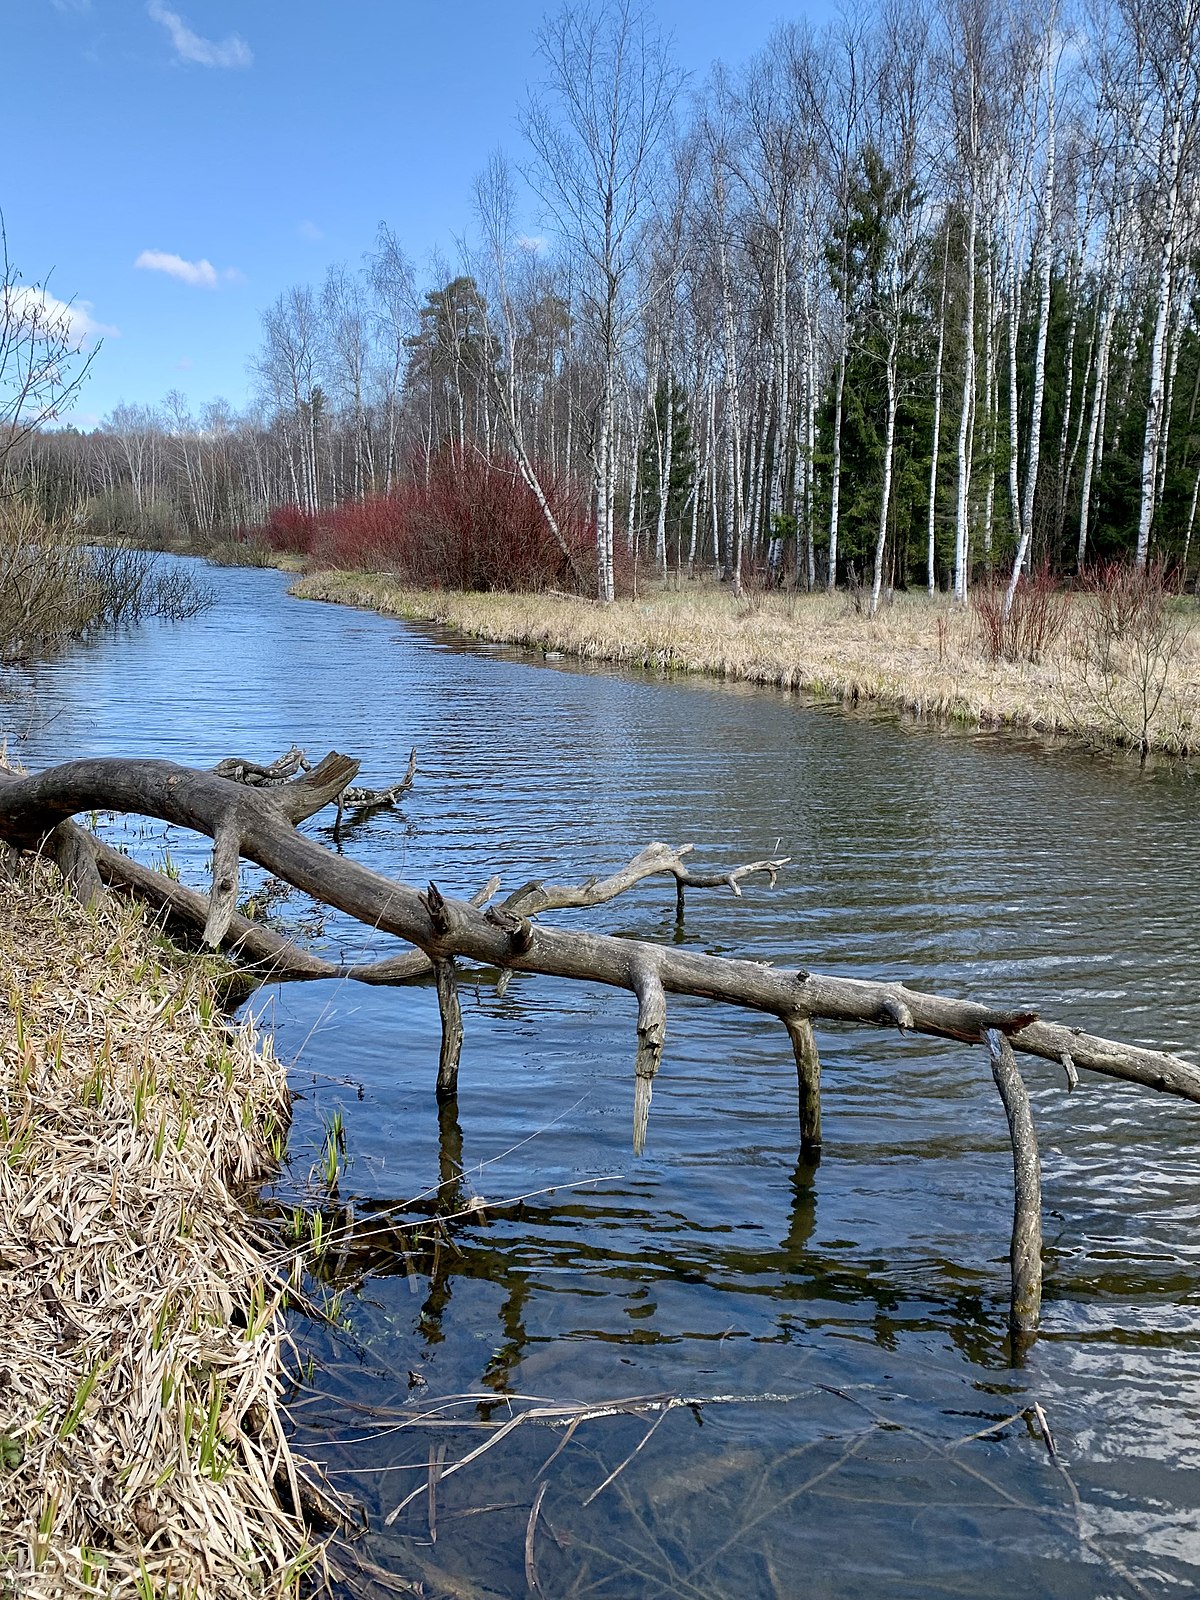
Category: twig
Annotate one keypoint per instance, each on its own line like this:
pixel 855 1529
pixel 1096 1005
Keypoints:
pixel 531 1577
pixel 645 1440
pixel 436 1458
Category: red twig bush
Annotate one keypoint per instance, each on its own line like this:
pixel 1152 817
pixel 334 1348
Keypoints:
pixel 1037 616
pixel 463 521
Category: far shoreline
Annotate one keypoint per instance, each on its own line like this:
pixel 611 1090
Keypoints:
pixel 922 658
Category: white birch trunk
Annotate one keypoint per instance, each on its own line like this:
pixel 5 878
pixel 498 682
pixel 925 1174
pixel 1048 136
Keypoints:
pixel 1152 439
pixel 1039 361
pixel 888 456
pixel 962 508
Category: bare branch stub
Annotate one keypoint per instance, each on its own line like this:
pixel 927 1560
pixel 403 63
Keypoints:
pixel 440 918
pixel 362 802
pixel 808 1080
pixel 445 975
pixel 222 901
pixel 895 1010
pixel 1025 1251
pixel 1069 1069
pixel 518 931
pixel 651 1037
pixel 305 796
pixel 355 798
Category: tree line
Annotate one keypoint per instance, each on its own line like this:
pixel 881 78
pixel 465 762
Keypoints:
pixel 899 302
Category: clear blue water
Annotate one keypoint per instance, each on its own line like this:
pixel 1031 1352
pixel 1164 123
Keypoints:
pixel 845 1321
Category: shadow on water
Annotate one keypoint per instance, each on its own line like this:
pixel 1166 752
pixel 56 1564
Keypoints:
pixel 839 1328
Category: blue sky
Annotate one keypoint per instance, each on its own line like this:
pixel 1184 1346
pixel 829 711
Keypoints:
pixel 237 148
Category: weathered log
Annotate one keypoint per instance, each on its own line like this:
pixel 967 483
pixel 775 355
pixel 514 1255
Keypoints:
pixel 242 771
pixel 259 822
pixel 357 800
pixel 1025 1251
pixel 31 806
pixel 265 955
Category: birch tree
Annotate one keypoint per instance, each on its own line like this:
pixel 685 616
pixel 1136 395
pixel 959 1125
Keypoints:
pixel 1164 69
pixel 1050 53
pixel 597 141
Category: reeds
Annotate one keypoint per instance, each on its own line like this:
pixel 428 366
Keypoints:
pixel 55 586
pixel 142 1450
pixel 923 657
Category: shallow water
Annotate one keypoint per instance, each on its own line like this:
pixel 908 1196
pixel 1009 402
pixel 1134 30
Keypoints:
pixel 843 1322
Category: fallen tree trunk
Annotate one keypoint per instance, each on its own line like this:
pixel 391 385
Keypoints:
pixel 259 822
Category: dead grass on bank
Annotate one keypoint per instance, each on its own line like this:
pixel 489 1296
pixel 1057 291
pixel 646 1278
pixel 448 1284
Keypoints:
pixel 919 656
pixel 141 1337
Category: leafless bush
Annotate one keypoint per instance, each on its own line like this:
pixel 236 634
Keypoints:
pixel 1036 618
pixel 1125 640
pixel 54 587
pixel 173 594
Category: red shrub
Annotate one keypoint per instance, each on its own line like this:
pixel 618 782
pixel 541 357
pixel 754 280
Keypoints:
pixel 364 533
pixel 461 521
pixel 1037 616
pixel 290 529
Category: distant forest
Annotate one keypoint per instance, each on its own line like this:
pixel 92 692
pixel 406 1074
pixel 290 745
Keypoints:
pixel 902 300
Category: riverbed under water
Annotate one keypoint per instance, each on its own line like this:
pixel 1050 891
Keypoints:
pixel 838 1329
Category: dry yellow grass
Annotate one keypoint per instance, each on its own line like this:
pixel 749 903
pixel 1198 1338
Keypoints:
pixel 141 1339
pixel 919 656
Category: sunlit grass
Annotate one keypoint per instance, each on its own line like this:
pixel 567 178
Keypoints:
pixel 141 1331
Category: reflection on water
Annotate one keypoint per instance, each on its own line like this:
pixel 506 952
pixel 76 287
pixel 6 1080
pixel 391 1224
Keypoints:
pixel 844 1320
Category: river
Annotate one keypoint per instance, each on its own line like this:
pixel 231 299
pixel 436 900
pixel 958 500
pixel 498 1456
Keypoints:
pixel 844 1321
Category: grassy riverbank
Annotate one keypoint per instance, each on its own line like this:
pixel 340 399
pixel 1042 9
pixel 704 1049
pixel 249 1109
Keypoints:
pixel 923 657
pixel 141 1338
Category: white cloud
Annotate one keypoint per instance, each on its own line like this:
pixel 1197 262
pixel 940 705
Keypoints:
pixel 47 317
pixel 533 243
pixel 309 230
pixel 189 46
pixel 200 274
